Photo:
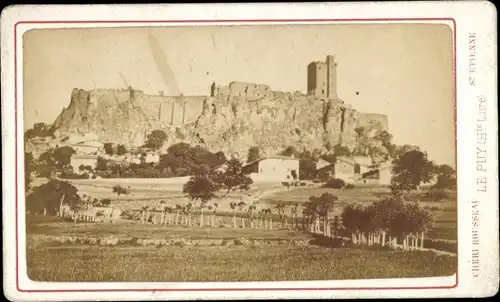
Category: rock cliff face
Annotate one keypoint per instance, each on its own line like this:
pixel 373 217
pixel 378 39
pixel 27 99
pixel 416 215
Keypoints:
pixel 232 125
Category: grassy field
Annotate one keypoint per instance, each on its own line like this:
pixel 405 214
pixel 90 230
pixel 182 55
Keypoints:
pixel 445 211
pixel 52 226
pixel 149 192
pixel 245 263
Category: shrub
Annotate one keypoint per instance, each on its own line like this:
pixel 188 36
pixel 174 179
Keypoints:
pixel 437 194
pixel 324 176
pixel 317 181
pixel 335 183
pixel 350 186
pixel 119 190
pixel 303 184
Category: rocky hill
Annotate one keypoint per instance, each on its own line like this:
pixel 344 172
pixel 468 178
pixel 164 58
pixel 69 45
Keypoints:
pixel 232 125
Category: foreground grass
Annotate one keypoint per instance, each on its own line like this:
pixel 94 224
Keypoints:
pixel 78 263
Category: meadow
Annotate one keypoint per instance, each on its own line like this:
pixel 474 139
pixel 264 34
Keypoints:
pixel 239 263
pixel 49 260
pixel 150 192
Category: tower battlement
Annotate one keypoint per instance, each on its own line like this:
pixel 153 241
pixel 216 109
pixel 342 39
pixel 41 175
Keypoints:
pixel 322 78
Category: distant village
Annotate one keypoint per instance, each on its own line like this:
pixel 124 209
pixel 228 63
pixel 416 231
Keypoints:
pixel 276 168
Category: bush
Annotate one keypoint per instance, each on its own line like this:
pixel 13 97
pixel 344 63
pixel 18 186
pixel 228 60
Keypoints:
pixel 324 176
pixel 350 186
pixel 437 194
pixel 317 181
pixel 303 184
pixel 335 183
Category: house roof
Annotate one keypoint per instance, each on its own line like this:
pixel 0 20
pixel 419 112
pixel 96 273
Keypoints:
pixel 271 157
pixel 324 164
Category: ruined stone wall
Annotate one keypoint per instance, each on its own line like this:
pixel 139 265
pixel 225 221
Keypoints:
pixel 232 125
pixel 241 90
pixel 176 110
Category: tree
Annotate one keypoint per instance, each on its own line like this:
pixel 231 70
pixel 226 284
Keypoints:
pixel 390 216
pixel 108 148
pixel 253 154
pixel 121 149
pixel 101 164
pixel 241 207
pixel 340 150
pixel 400 150
pixel 50 197
pixel 106 202
pixel 386 139
pixel 54 160
pixel 220 158
pixel 183 160
pixel 307 165
pixel 39 130
pixel 233 206
pixel 233 177
pixel 119 190
pixel 335 183
pixel 410 170
pixel 322 205
pixel 155 139
pixel 213 208
pixel 290 151
pixel 62 156
pixel 202 187
pixel 294 209
pixel 446 177
pixel 29 167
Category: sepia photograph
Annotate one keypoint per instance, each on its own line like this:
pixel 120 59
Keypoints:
pixel 239 153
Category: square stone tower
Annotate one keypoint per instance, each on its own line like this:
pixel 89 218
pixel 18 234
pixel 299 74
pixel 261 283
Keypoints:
pixel 322 78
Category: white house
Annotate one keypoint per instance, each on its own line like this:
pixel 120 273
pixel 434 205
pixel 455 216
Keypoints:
pixel 363 162
pixel 152 157
pixel 379 173
pixel 86 160
pixel 273 168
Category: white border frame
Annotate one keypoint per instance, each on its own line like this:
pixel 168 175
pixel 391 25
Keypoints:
pixel 479 17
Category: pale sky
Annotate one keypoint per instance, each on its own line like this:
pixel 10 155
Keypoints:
pixel 402 70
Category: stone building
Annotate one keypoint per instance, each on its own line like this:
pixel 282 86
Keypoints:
pixel 85 160
pixel 322 78
pixel 273 169
pixel 380 174
pixel 349 169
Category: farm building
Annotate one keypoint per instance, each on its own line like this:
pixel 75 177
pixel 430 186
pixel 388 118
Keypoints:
pixel 151 157
pixel 86 160
pixel 378 174
pixel 345 168
pixel 273 168
pixel 364 163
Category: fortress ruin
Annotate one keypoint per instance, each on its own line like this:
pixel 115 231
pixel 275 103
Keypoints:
pixel 181 110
